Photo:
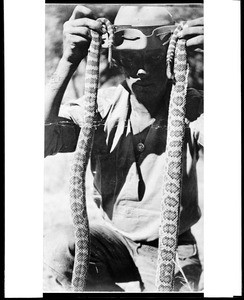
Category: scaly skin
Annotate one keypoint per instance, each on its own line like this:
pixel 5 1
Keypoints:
pixel 168 233
pixel 81 157
pixel 170 205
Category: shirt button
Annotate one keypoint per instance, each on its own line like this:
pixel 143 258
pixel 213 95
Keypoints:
pixel 140 147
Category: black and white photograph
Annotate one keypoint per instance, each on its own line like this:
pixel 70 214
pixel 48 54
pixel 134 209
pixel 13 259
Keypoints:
pixel 124 148
pixel 122 158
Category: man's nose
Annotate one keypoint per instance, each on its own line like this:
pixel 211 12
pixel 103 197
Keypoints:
pixel 142 73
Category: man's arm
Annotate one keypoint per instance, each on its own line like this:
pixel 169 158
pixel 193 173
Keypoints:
pixel 76 40
pixel 61 134
pixel 56 88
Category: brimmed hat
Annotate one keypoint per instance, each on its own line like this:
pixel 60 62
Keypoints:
pixel 142 27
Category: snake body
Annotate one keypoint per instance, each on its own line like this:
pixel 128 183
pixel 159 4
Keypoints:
pixel 172 178
pixel 170 205
pixel 81 157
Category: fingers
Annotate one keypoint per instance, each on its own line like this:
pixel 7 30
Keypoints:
pixel 80 31
pixel 87 22
pixel 193 32
pixel 195 41
pixel 82 17
pixel 75 39
pixel 189 31
pixel 195 22
pixel 77 34
pixel 79 25
pixel 80 12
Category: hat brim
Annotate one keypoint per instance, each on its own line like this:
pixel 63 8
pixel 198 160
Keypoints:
pixel 137 38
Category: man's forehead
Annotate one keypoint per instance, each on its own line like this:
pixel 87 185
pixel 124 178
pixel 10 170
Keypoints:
pixel 143 15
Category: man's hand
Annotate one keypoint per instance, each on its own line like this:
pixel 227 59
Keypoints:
pixel 193 33
pixel 76 40
pixel 76 34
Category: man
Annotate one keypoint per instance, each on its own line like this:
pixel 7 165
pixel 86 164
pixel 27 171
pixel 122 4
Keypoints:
pixel 127 156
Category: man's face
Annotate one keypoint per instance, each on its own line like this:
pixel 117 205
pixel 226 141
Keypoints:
pixel 145 72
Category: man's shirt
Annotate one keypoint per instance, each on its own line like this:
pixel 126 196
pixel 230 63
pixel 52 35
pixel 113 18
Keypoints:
pixel 130 182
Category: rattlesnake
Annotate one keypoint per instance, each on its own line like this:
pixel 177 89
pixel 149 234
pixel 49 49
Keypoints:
pixel 81 157
pixel 170 203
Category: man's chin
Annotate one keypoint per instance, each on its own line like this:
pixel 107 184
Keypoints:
pixel 142 92
pixel 139 89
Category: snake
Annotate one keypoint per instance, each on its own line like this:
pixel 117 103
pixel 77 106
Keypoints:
pixel 81 157
pixel 177 70
pixel 168 231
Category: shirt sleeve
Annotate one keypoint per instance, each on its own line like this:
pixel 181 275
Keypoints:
pixel 197 129
pixel 74 110
pixel 194 104
pixel 195 114
pixel 60 136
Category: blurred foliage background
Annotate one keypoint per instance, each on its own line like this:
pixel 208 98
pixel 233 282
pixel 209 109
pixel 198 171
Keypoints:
pixel 57 14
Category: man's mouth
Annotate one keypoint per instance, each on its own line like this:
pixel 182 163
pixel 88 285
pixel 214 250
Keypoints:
pixel 143 83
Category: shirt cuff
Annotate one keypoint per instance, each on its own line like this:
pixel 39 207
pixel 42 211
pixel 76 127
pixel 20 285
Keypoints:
pixel 60 136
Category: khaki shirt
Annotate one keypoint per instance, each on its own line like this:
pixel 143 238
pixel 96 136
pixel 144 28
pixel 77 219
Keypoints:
pixel 130 183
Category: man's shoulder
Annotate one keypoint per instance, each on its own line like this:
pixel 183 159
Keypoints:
pixel 106 98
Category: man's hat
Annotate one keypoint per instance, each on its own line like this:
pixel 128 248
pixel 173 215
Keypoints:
pixel 142 27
